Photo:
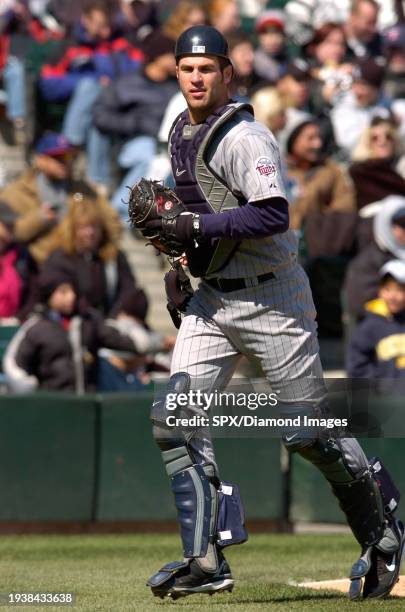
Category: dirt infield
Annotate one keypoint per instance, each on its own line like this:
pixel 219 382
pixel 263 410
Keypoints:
pixel 343 585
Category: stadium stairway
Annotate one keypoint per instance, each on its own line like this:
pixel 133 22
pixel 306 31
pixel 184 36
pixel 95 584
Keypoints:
pixel 149 270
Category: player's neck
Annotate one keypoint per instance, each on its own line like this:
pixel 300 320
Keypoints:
pixel 199 115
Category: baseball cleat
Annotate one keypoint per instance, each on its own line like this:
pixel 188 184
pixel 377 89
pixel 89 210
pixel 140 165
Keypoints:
pixel 385 568
pixel 183 578
pixel 374 575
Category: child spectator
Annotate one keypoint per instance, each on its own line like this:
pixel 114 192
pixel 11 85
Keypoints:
pixel 57 347
pixel 377 348
pixel 17 270
pixel 270 56
pixel 42 194
pixel 120 371
pixel 85 246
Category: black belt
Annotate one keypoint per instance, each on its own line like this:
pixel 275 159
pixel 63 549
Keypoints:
pixel 233 284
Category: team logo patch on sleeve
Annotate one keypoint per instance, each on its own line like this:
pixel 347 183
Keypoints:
pixel 264 166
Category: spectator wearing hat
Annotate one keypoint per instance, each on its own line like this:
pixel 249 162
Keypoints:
pixel 271 55
pixel 130 111
pixel 84 64
pixel 354 111
pixel 43 193
pixel 57 347
pixel 394 53
pixel 17 270
pixel 361 283
pixel 377 348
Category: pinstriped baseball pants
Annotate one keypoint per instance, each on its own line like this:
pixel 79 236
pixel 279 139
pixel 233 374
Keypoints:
pixel 272 324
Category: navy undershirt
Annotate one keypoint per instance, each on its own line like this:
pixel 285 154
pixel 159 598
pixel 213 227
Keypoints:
pixel 253 220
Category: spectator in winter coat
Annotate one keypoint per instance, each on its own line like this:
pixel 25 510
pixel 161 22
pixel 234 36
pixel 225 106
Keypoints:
pixel 43 193
pixel 131 110
pixel 361 284
pixel 82 67
pixel 85 246
pixel 56 348
pixel 378 171
pixel 377 348
pixel 324 203
pixel 17 270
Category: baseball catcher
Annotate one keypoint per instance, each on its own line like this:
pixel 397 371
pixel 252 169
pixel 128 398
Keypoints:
pixel 230 218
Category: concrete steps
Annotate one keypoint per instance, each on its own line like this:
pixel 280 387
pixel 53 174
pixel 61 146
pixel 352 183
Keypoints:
pixel 149 273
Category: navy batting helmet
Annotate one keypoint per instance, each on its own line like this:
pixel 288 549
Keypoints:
pixel 201 40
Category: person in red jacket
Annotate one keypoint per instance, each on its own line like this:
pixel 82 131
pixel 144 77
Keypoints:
pixel 82 66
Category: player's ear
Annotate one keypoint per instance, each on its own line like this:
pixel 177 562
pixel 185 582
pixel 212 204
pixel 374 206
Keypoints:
pixel 228 74
pixel 177 71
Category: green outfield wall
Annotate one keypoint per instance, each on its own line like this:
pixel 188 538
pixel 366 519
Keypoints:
pixel 93 459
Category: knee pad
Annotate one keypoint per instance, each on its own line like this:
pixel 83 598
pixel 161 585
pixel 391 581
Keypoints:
pixel 163 406
pixel 164 436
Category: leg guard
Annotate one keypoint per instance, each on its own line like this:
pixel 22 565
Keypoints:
pixel 196 500
pixel 190 465
pixel 379 565
pixel 345 466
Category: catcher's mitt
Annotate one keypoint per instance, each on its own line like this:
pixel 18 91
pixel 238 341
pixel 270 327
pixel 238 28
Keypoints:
pixel 150 200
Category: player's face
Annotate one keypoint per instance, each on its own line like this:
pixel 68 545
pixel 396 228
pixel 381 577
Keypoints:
pixel 203 84
pixel 393 294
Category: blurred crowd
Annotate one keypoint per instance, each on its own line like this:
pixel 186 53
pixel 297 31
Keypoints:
pixel 88 93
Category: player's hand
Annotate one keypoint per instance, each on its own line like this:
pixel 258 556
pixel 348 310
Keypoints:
pixel 181 227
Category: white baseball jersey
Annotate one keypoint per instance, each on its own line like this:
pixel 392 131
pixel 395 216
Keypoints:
pixel 245 155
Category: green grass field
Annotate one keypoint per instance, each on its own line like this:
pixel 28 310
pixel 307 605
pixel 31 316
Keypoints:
pixel 109 572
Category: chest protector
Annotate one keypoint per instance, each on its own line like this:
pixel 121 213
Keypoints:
pixel 199 188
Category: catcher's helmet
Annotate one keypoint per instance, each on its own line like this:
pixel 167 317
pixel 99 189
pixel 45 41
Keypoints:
pixel 201 40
